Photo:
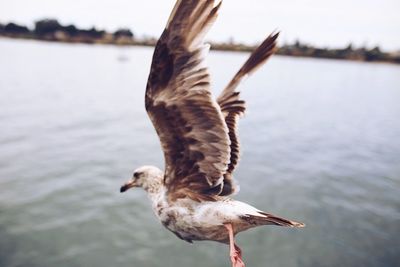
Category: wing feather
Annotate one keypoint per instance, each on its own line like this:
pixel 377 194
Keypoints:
pixel 188 121
pixel 233 107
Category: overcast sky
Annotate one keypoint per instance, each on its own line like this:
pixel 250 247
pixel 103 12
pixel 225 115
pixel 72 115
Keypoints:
pixel 332 23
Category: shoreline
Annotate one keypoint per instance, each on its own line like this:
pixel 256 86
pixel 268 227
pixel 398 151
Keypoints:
pixel 214 47
pixel 49 30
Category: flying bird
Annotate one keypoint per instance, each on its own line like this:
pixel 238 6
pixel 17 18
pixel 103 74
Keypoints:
pixel 192 197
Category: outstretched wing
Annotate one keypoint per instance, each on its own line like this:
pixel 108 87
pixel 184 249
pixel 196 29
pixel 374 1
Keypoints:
pixel 233 106
pixel 188 121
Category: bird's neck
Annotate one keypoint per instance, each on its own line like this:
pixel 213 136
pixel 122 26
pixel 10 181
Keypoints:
pixel 157 197
pixel 154 188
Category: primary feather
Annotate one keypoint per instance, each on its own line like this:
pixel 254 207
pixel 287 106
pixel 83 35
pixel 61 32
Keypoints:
pixel 189 122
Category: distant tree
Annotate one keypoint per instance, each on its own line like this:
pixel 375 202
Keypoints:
pixel 376 49
pixel 15 29
pixel 92 33
pixel 123 33
pixel 319 52
pixel 1 27
pixel 396 59
pixel 297 44
pixel 97 33
pixel 71 30
pixel 374 54
pixel 47 26
pixel 349 48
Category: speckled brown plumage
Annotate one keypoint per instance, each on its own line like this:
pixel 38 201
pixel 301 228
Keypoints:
pixel 187 119
pixel 198 135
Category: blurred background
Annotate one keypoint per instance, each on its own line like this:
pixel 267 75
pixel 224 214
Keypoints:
pixel 320 140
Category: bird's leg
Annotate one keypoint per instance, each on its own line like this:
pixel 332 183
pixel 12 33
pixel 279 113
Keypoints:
pixel 235 251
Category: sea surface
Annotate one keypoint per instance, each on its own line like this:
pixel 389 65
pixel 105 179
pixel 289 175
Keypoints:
pixel 320 145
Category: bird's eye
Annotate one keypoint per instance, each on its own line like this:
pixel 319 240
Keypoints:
pixel 136 175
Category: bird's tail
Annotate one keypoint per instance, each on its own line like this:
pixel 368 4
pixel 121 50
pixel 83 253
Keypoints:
pixel 269 219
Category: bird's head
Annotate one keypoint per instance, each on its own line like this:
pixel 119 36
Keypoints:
pixel 148 177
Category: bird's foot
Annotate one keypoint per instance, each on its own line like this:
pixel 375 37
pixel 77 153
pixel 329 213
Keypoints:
pixel 236 259
pixel 235 251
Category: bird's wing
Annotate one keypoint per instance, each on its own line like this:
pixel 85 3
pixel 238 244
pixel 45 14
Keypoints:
pixel 188 121
pixel 232 106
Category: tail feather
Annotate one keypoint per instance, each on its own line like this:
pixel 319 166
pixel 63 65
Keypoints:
pixel 269 219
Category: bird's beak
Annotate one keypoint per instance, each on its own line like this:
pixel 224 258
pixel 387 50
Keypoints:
pixel 128 186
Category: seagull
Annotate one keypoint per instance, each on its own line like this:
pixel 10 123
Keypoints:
pixel 192 197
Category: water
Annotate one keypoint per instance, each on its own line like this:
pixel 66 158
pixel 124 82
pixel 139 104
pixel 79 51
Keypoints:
pixel 320 145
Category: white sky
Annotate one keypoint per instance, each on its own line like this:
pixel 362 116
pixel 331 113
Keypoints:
pixel 332 23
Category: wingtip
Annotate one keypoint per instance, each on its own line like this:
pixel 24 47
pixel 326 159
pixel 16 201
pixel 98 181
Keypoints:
pixel 298 225
pixel 218 4
pixel 273 37
pixel 275 33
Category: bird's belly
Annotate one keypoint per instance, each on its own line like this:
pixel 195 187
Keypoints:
pixel 186 226
pixel 193 232
pixel 190 220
